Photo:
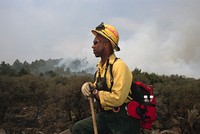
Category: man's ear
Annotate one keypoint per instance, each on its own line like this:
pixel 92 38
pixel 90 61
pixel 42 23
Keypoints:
pixel 106 44
pixel 109 46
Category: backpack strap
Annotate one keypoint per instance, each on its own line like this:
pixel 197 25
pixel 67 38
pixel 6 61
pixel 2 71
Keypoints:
pixel 97 73
pixel 111 73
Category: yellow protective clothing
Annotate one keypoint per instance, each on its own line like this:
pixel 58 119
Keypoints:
pixel 121 85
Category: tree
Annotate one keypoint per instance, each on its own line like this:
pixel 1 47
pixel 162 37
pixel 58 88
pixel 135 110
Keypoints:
pixel 6 70
pixel 17 65
pixel 23 72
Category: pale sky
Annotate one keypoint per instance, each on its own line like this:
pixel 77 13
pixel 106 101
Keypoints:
pixel 156 36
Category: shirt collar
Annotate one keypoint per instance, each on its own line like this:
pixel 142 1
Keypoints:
pixel 111 60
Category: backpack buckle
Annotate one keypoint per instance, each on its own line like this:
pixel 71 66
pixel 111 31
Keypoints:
pixel 116 109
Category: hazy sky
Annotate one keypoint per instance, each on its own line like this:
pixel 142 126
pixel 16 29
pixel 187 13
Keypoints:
pixel 160 36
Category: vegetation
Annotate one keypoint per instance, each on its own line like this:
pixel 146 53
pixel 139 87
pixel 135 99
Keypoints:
pixel 39 98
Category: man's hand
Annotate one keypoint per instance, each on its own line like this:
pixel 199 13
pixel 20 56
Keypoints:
pixel 87 88
pixel 96 93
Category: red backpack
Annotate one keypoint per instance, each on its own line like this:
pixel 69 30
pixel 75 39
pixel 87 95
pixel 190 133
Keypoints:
pixel 143 105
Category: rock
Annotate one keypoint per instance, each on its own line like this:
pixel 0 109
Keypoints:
pixel 2 131
pixel 66 132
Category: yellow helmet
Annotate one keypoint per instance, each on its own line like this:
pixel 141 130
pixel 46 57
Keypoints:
pixel 108 32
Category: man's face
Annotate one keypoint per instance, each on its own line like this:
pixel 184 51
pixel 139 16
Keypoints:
pixel 98 46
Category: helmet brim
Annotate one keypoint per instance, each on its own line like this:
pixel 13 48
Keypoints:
pixel 115 46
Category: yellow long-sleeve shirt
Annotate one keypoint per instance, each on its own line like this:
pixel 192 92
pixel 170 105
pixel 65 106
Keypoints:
pixel 121 85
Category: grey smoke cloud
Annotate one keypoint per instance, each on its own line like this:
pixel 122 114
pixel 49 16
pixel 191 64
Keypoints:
pixel 167 44
pixel 77 65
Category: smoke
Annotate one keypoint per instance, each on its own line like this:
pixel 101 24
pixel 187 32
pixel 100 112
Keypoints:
pixel 76 65
pixel 156 36
pixel 168 44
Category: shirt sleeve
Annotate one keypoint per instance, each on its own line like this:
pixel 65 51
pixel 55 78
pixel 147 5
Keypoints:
pixel 120 89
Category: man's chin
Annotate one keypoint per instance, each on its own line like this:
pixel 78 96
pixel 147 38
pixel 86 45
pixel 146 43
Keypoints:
pixel 96 55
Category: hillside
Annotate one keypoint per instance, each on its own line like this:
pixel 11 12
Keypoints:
pixel 44 98
pixel 50 67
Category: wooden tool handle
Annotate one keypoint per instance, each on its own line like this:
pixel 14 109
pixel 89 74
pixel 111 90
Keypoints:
pixel 93 115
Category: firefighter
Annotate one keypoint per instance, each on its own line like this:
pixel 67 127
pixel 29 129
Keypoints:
pixel 110 92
